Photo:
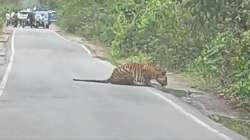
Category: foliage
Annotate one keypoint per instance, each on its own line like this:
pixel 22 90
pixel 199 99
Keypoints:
pixel 210 38
pixel 1 24
pixel 4 8
pixel 10 2
pixel 49 3
pixel 140 58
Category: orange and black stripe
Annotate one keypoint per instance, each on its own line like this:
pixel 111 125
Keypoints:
pixel 134 74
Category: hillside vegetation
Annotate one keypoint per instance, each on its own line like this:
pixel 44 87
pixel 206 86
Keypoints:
pixel 209 39
pixel 7 6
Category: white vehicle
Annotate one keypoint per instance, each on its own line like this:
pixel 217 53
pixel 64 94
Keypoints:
pixel 22 17
pixel 42 19
pixel 52 16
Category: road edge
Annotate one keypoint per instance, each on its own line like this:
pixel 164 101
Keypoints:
pixel 9 66
pixel 68 40
pixel 168 100
pixel 190 115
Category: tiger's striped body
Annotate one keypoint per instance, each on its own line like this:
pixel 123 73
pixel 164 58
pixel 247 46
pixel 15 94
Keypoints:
pixel 135 74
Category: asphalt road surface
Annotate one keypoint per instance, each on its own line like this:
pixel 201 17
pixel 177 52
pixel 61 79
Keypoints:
pixel 41 102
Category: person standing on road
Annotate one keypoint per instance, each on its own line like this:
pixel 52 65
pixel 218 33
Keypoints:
pixel 31 18
pixel 15 18
pixel 7 16
pixel 19 19
pixel 12 18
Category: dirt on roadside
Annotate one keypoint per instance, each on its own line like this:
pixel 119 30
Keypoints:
pixel 5 51
pixel 208 103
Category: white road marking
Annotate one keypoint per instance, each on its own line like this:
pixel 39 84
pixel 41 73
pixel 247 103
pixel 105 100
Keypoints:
pixel 87 50
pixel 9 67
pixel 83 46
pixel 191 116
pixel 176 106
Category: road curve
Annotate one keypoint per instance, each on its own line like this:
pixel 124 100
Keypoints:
pixel 40 101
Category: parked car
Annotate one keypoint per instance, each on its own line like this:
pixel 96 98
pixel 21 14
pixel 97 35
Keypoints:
pixel 26 18
pixel 42 19
pixel 22 17
pixel 52 16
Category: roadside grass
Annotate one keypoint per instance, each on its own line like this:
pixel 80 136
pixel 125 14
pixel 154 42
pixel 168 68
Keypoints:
pixel 240 126
pixel 193 80
pixel 1 24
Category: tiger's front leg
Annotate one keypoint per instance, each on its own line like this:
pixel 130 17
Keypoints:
pixel 148 81
pixel 139 83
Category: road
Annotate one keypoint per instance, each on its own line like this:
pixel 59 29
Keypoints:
pixel 41 102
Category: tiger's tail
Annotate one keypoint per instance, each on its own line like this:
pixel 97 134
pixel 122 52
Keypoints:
pixel 97 81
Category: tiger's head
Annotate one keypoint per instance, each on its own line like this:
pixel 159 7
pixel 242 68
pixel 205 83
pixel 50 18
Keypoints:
pixel 162 78
pixel 156 72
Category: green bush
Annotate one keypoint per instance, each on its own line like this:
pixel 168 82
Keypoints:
pixel 1 24
pixel 140 58
pixel 4 8
pixel 207 37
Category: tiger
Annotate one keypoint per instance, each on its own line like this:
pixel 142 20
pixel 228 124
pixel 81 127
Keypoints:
pixel 135 74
